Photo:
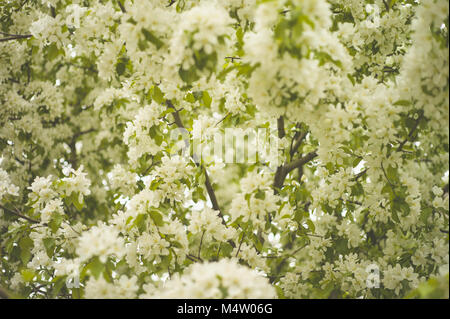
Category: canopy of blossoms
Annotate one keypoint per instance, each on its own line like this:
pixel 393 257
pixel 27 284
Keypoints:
pixel 119 179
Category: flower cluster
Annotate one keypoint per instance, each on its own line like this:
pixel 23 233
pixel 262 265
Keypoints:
pixel 223 279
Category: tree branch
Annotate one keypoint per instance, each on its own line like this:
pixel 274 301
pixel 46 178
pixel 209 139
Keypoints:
pixel 208 184
pixel 200 246
pixel 18 214
pixel 298 143
pixel 176 114
pixel 122 8
pixel 280 125
pixel 72 145
pixel 411 133
pixel 16 37
pixel 240 244
pixel 299 162
pixel 284 170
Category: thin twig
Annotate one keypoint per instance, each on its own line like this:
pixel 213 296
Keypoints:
pixel 240 244
pixel 122 8
pixel 411 133
pixel 16 37
pixel 200 246
pixel 18 214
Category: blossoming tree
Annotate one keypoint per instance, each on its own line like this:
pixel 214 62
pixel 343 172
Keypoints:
pixel 102 193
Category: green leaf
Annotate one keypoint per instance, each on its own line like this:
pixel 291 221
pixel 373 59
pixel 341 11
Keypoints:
pixel 158 95
pixel 121 67
pixel 188 76
pixel 55 222
pixel 156 217
pixel 95 267
pixel 260 194
pixel 391 173
pixel 425 214
pixel 206 99
pixel 49 245
pixel 74 199
pixel 139 221
pixel 27 275
pixel 402 103
pixel 394 211
pixel 52 51
pixel 152 38
pixel 176 244
pixel 311 226
pixel 59 282
pixel 25 244
pixel 190 98
pixel 280 292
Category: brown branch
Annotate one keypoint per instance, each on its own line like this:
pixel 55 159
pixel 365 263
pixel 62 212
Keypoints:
pixel 200 246
pixel 388 180
pixel 223 119
pixel 176 114
pixel 211 193
pixel 411 133
pixel 72 145
pixel 232 58
pixel 208 184
pixel 122 8
pixel 16 37
pixel 240 244
pixel 298 142
pixel 192 258
pixel 284 170
pixel 359 175
pixel 280 125
pixel 18 214
pixel 299 162
pixel 279 178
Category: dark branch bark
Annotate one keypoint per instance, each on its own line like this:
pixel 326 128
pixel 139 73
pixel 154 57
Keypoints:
pixel 176 114
pixel 298 142
pixel 279 179
pixel 284 170
pixel 72 145
pixel 299 162
pixel 358 176
pixel 411 133
pixel 200 246
pixel 211 193
pixel 280 124
pixel 240 244
pixel 208 184
pixel 16 37
pixel 122 8
pixel 31 220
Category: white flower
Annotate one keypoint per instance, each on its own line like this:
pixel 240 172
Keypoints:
pixel 222 279
pixel 6 186
pixel 101 241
